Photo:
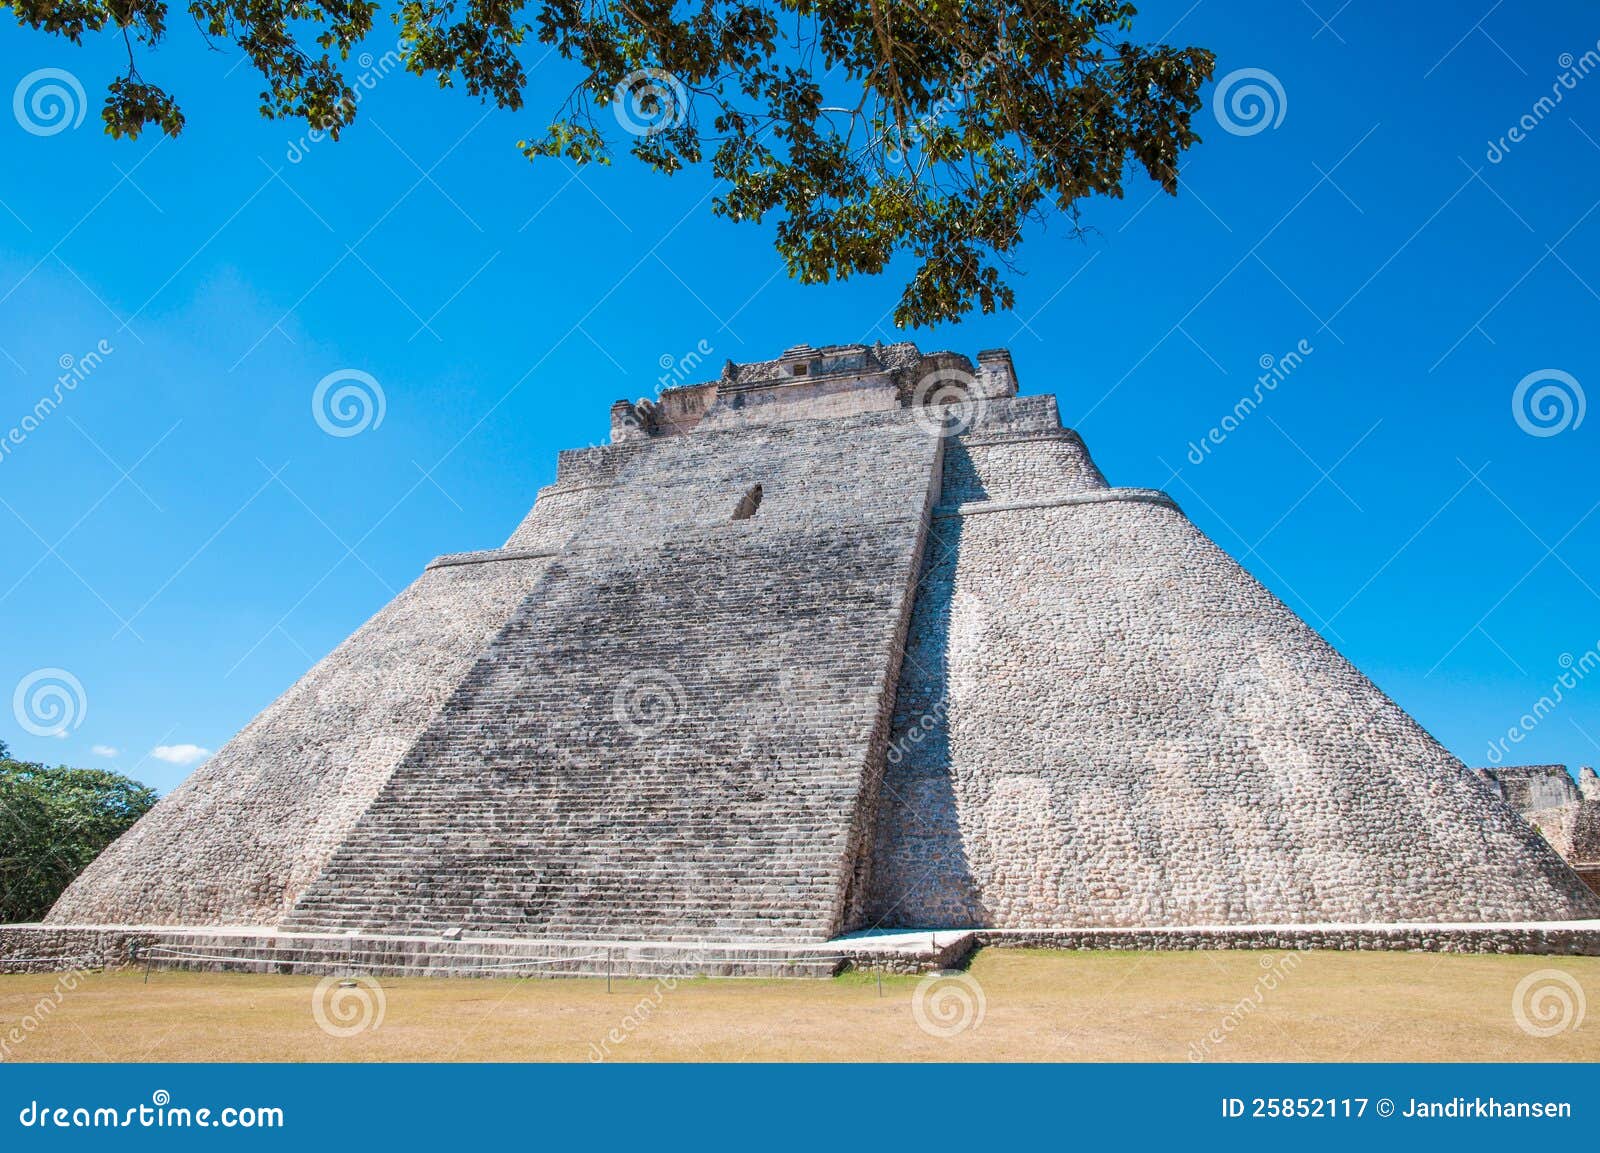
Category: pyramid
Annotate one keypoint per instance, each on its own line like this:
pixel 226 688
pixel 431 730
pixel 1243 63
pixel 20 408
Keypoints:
pixel 856 637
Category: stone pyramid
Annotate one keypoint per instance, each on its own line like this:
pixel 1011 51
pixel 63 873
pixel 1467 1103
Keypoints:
pixel 854 637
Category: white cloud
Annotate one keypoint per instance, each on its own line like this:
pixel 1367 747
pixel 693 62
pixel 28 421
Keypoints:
pixel 180 754
pixel 105 751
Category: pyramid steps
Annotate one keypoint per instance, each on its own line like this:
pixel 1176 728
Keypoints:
pixel 538 802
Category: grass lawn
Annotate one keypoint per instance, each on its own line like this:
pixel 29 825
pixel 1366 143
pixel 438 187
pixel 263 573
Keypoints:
pixel 1035 1006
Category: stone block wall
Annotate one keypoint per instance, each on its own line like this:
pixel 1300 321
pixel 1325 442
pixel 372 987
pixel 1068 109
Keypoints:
pixel 1565 814
pixel 1529 787
pixel 806 398
pixel 1017 466
pixel 557 515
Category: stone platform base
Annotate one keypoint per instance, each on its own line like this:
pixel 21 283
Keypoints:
pixel 47 948
pixel 1572 938
pixel 252 949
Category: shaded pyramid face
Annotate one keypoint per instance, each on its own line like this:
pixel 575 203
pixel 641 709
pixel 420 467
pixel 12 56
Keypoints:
pixel 806 649
pixel 1134 732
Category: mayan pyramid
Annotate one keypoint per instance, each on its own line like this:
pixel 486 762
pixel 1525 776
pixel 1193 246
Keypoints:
pixel 854 637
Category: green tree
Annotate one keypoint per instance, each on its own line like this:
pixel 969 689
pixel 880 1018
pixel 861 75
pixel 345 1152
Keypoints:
pixel 864 129
pixel 53 822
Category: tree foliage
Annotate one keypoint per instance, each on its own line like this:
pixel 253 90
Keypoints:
pixel 864 129
pixel 53 822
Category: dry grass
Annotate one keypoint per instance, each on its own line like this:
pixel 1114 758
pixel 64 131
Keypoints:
pixel 1038 1006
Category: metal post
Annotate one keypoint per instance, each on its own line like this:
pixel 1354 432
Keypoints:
pixel 880 982
pixel 609 952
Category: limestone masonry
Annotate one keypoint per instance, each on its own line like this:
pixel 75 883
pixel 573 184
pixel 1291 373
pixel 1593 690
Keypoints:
pixel 853 638
pixel 1565 814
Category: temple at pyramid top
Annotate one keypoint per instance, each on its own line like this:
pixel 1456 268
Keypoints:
pixel 805 382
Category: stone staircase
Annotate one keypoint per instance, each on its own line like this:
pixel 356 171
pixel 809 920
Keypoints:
pixel 674 738
pixel 310 954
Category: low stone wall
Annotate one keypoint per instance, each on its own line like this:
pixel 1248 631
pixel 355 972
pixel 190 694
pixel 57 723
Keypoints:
pixel 946 951
pixel 47 948
pixel 50 949
pixel 1580 939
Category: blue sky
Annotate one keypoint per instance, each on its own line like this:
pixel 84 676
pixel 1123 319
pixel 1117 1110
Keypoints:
pixel 184 539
